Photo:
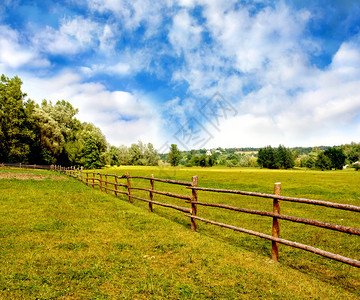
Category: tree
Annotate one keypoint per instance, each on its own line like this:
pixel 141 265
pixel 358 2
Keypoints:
pixel 323 162
pixel 203 161
pixel 336 156
pixel 51 139
pixel 124 155
pixel 211 160
pixel 114 156
pixel 136 155
pixel 63 113
pixel 352 152
pixel 267 158
pixel 15 132
pixel 150 155
pixel 91 153
pixel 275 158
pixel 285 157
pixel 100 140
pixel 308 160
pixel 174 155
pixel 245 160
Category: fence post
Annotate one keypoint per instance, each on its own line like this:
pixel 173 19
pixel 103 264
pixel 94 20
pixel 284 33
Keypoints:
pixel 116 185
pixel 193 205
pixel 151 194
pixel 276 223
pixel 100 182
pixel 106 179
pixel 87 178
pixel 82 176
pixel 129 186
pixel 93 179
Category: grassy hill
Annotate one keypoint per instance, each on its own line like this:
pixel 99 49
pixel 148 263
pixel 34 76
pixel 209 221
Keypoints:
pixel 60 239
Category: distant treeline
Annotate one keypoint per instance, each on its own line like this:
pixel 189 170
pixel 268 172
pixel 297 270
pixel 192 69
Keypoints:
pixel 139 154
pixel 323 157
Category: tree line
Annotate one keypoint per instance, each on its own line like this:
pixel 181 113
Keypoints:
pixel 49 133
pixel 281 157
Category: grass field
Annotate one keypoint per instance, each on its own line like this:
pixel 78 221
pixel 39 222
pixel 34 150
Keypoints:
pixel 60 239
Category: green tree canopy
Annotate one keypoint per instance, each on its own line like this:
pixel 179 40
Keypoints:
pixel 174 155
pixel 337 157
pixel 323 162
pixel 91 153
pixel 275 158
pixel 267 158
pixel 15 130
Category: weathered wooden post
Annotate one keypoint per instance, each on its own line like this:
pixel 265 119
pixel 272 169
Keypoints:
pixel 194 183
pixel 87 178
pixel 93 179
pixel 100 182
pixel 116 185
pixel 106 179
pixel 82 175
pixel 151 193
pixel 129 186
pixel 276 223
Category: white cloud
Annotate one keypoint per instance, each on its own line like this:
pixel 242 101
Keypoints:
pixel 126 63
pixel 187 3
pixel 108 39
pixel 15 54
pixel 123 117
pixel 324 111
pixel 346 61
pixel 73 36
pixel 132 14
pixel 290 101
pixel 184 34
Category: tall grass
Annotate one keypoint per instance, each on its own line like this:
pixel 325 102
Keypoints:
pixel 61 239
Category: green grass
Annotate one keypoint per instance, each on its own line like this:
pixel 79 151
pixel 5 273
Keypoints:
pixel 60 239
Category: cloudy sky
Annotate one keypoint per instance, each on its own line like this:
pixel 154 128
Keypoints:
pixel 198 73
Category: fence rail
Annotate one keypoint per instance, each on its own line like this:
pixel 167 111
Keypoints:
pixel 102 180
pixel 284 198
pixel 25 166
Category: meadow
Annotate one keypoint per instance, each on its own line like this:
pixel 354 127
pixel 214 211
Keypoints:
pixel 63 240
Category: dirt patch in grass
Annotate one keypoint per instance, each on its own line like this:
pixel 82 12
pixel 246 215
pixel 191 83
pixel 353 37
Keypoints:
pixel 25 176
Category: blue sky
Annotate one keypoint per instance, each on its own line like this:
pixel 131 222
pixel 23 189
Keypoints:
pixel 197 73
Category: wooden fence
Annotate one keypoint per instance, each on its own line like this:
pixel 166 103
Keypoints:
pixel 25 166
pixel 102 181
